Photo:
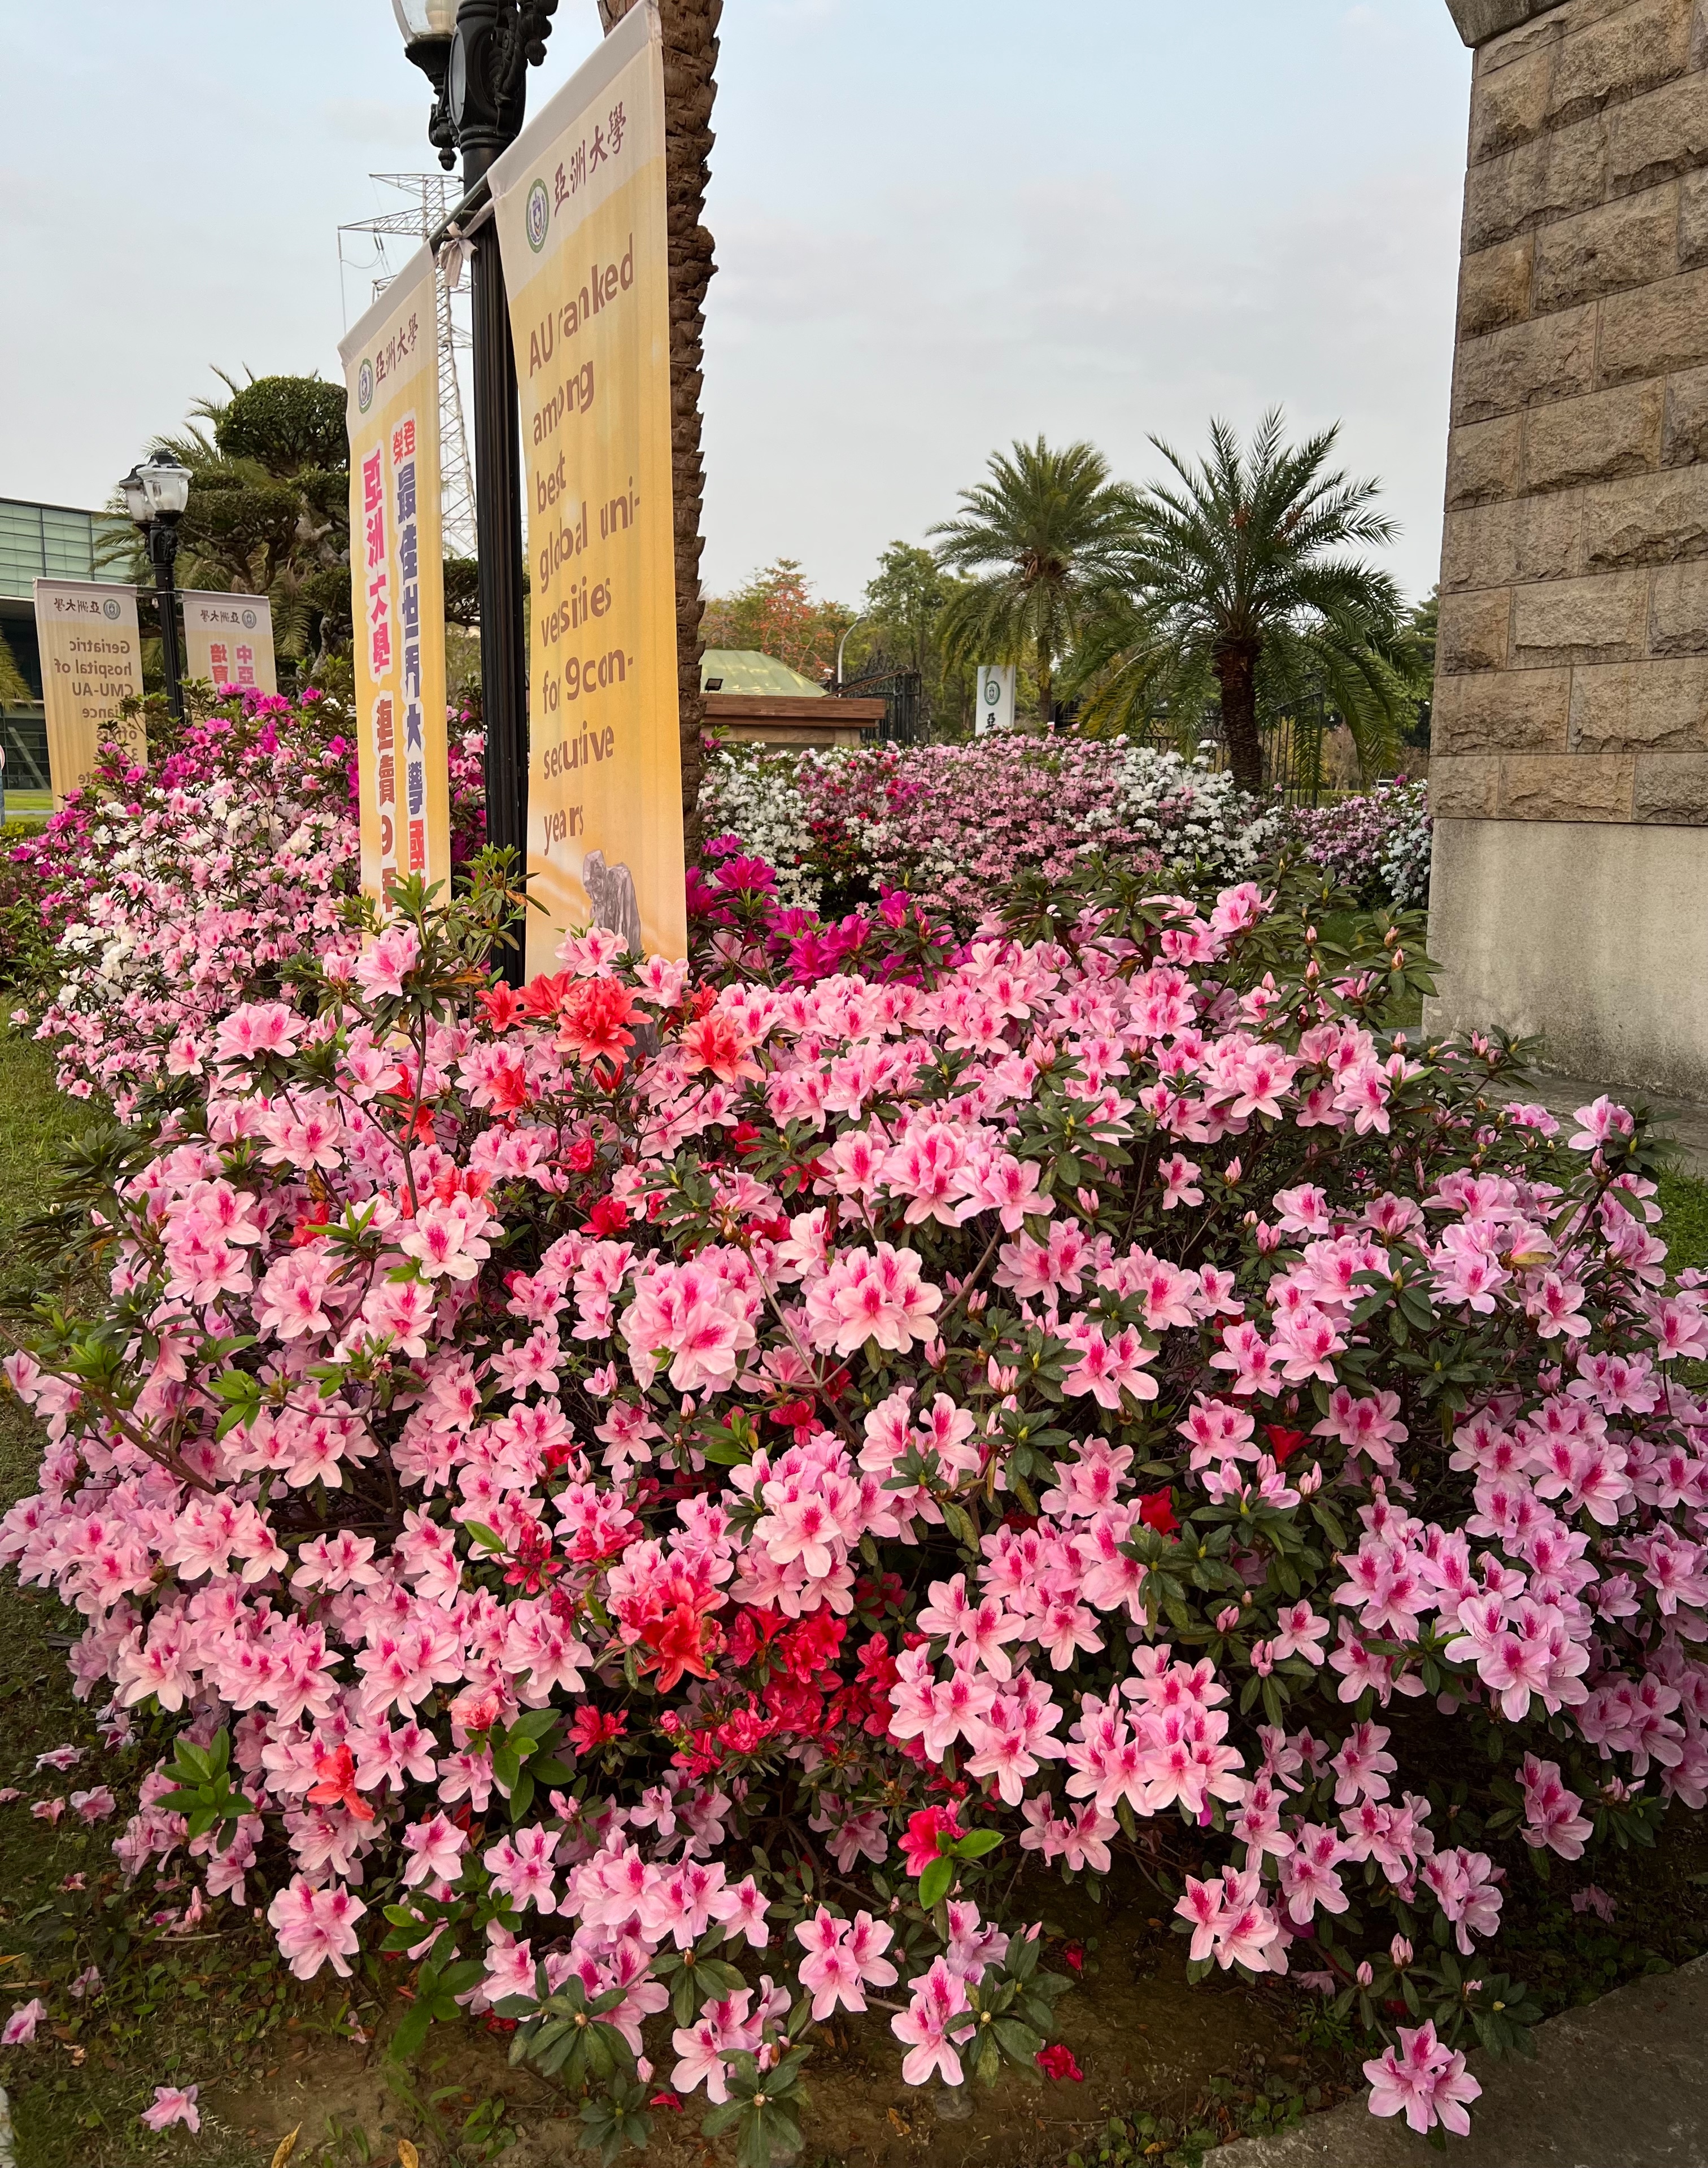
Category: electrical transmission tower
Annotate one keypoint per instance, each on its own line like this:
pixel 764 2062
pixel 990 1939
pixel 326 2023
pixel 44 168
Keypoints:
pixel 433 196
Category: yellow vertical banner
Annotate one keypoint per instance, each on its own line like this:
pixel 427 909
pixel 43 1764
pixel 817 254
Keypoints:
pixel 580 205
pixel 398 582
pixel 91 660
pixel 228 639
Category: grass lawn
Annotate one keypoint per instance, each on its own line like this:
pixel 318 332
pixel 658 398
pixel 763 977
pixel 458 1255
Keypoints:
pixel 214 2006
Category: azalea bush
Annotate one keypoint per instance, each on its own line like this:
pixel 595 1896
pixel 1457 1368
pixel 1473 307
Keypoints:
pixel 1376 842
pixel 646 1501
pixel 956 824
pixel 171 894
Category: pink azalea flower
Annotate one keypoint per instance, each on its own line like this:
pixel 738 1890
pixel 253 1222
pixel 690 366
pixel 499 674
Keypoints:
pixel 171 2105
pixel 20 2026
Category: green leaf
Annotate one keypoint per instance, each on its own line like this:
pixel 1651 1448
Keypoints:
pixel 1017 2042
pixel 935 1881
pixel 977 1843
pixel 407 2040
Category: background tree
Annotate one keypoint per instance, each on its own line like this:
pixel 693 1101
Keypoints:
pixel 901 628
pixel 1417 645
pixel 775 612
pixel 1235 576
pixel 269 510
pixel 1037 544
pixel 462 591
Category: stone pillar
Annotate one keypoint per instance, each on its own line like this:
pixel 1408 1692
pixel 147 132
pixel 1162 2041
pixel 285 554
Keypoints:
pixel 1569 767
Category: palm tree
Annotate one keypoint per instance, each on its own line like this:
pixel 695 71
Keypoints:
pixel 1038 543
pixel 689 31
pixel 1233 583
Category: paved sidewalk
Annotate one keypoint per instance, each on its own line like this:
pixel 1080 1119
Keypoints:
pixel 1622 2084
pixel 1686 1123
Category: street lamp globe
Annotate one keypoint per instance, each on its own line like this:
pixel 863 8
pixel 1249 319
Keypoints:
pixel 166 483
pixel 136 500
pixel 421 19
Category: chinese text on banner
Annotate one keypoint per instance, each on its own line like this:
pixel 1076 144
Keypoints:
pixel 397 582
pixel 228 639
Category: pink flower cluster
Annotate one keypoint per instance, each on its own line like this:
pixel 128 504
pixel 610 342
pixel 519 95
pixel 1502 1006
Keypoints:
pixel 955 823
pixel 570 1444
pixel 178 892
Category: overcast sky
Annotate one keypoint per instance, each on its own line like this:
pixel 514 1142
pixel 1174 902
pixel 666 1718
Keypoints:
pixel 941 224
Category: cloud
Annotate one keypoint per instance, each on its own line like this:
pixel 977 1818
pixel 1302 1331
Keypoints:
pixel 860 371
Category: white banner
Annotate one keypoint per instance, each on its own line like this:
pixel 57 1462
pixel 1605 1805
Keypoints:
pixel 397 582
pixel 996 699
pixel 228 639
pixel 583 229
pixel 91 660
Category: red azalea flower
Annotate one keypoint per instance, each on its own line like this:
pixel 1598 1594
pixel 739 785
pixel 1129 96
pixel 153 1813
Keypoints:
pixel 337 1787
pixel 1073 1956
pixel 926 1833
pixel 592 1728
pixel 502 1006
pixel 718 1042
pixel 1157 1511
pixel 610 1216
pixel 1056 2061
pixel 312 1225
pixel 1284 1443
pixel 541 997
pixel 592 1020
pixel 677 1637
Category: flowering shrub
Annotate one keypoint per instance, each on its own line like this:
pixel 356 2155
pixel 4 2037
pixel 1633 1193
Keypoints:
pixel 177 892
pixel 466 746
pixel 955 824
pixel 649 1498
pixel 1376 843
pixel 26 943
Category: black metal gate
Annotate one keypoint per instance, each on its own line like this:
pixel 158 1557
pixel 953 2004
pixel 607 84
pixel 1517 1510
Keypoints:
pixel 900 690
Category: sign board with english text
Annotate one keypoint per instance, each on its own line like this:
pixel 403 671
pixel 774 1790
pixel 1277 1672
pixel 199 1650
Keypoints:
pixel 91 660
pixel 228 639
pixel 995 699
pixel 582 228
pixel 398 582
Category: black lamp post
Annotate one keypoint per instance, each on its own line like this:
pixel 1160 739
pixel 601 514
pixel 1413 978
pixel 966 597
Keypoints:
pixel 476 55
pixel 156 494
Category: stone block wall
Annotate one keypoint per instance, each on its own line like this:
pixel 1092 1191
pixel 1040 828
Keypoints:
pixel 1572 664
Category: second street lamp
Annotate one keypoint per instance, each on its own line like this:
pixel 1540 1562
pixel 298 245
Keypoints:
pixel 156 494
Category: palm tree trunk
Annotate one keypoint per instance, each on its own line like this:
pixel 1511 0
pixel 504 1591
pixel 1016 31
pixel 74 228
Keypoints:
pixel 1236 672
pixel 690 60
pixel 1046 687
